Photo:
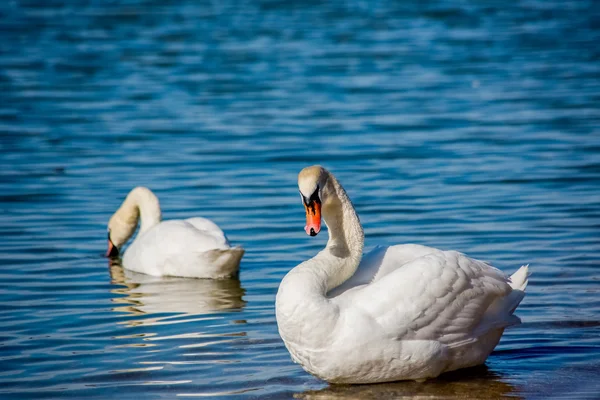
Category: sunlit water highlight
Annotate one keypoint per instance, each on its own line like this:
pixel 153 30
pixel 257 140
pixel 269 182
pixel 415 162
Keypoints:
pixel 468 126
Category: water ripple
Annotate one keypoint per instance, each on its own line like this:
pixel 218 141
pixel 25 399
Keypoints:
pixel 464 126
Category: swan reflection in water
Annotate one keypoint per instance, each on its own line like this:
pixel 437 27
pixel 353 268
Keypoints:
pixel 472 383
pixel 184 323
pixel 147 295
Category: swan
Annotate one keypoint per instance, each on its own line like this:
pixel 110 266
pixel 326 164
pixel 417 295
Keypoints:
pixel 406 312
pixel 192 248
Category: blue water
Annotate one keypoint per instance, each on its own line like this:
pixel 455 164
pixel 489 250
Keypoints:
pixel 463 125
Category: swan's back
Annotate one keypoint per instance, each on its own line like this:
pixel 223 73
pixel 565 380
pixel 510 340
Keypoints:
pixel 381 261
pixel 207 227
pixel 195 248
pixel 421 293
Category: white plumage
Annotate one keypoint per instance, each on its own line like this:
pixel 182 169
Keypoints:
pixel 194 247
pixel 406 312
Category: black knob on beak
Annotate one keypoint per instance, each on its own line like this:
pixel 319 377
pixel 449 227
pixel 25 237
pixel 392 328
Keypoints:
pixel 312 232
pixel 113 251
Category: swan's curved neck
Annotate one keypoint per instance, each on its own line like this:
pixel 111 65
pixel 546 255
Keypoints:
pixel 142 204
pixel 304 313
pixel 346 237
pixel 147 205
pixel 339 259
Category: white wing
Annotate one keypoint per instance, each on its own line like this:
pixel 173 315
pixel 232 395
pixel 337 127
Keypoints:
pixel 210 228
pixel 379 262
pixel 442 295
pixel 195 247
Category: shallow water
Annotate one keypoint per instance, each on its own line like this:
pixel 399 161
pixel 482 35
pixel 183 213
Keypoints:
pixel 471 127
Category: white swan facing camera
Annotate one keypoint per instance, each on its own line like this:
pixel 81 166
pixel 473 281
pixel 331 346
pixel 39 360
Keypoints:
pixel 193 248
pixel 405 312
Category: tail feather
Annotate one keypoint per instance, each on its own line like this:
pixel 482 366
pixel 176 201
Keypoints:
pixel 500 313
pixel 519 280
pixel 226 261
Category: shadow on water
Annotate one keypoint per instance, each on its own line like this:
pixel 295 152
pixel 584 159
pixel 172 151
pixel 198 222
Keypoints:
pixel 145 294
pixel 473 383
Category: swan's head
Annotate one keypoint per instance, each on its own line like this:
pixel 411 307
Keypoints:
pixel 121 227
pixel 113 250
pixel 312 182
pixel 119 231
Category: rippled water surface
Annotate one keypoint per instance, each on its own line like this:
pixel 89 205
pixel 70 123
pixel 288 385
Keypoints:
pixel 463 125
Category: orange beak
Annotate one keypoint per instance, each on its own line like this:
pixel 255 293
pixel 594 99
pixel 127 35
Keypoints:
pixel 112 251
pixel 313 218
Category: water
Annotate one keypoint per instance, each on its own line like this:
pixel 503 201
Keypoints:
pixel 469 126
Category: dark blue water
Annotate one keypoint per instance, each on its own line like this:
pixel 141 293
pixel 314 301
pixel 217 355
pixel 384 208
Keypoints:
pixel 463 125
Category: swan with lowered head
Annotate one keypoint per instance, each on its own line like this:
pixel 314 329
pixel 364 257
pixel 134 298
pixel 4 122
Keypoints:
pixel 193 248
pixel 405 312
